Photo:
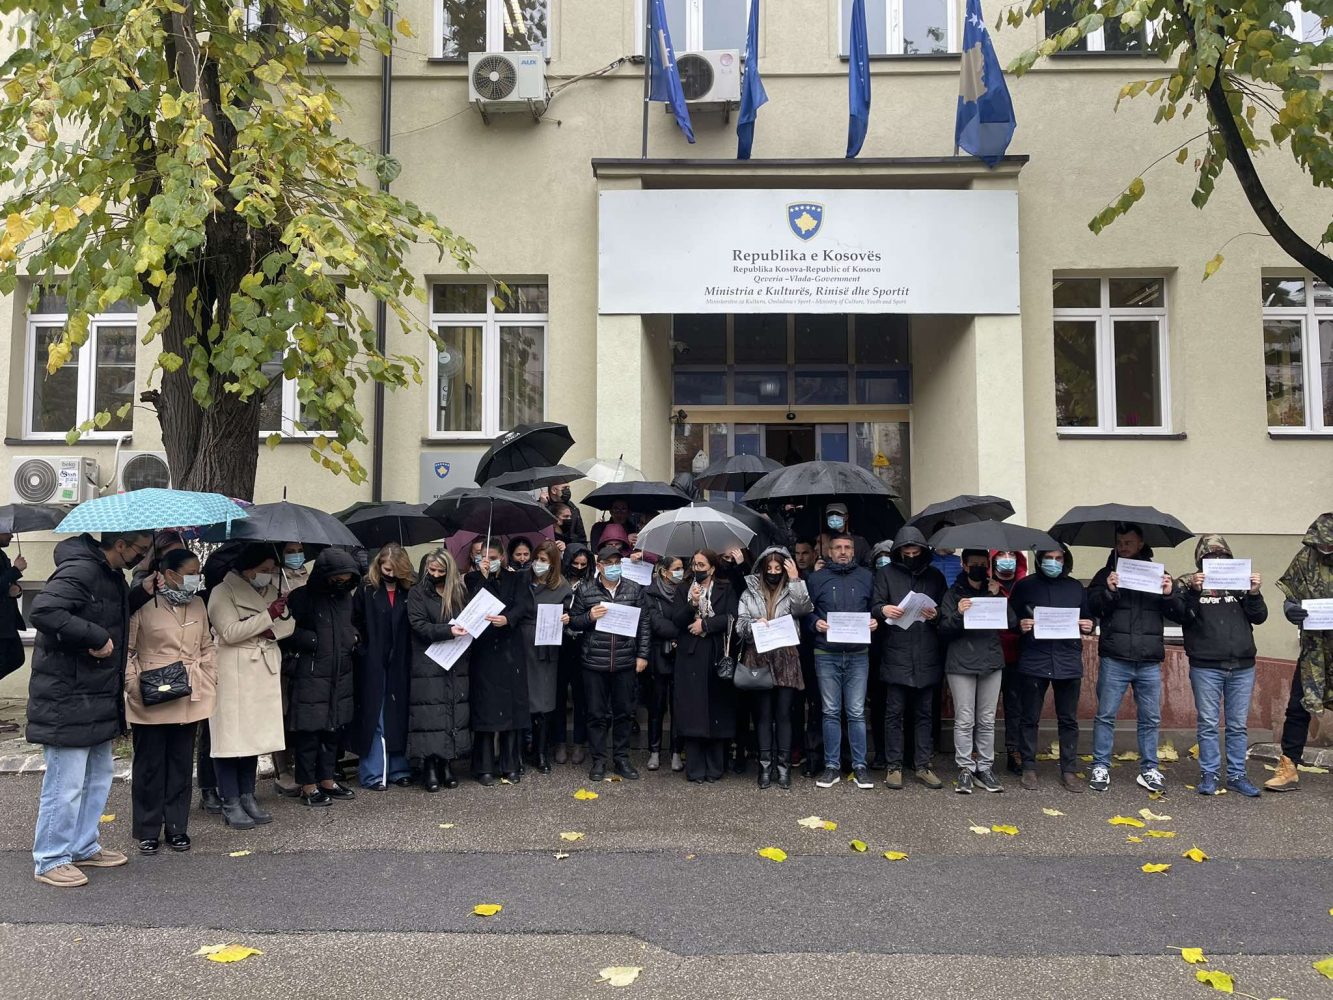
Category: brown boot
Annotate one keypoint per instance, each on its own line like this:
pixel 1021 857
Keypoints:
pixel 1287 778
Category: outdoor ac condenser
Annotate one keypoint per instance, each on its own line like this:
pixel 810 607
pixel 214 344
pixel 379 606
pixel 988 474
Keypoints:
pixel 712 76
pixel 136 470
pixel 504 82
pixel 52 479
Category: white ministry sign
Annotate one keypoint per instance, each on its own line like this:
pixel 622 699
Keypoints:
pixel 695 251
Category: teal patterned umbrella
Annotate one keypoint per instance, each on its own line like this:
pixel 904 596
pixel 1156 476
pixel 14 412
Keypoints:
pixel 150 509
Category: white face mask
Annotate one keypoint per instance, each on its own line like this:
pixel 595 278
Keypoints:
pixel 540 568
pixel 192 583
pixel 262 581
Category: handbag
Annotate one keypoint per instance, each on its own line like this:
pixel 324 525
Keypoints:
pixel 163 684
pixel 726 666
pixel 750 678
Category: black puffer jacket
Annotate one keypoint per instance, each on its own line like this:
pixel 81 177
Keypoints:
pixel 606 651
pixel 74 699
pixel 438 723
pixel 1056 659
pixel 318 656
pixel 1131 621
pixel 912 656
pixel 970 651
pixel 11 619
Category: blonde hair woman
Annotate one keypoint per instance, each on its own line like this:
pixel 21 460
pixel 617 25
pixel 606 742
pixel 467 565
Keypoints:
pixel 384 671
pixel 438 720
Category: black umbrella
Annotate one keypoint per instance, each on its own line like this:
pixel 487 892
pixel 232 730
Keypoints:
pixel 739 472
pixel 815 482
pixel 1096 525
pixel 378 524
pixel 526 446
pixel 993 536
pixel 486 510
pixel 963 509
pixel 875 519
pixel 16 517
pixel 532 479
pixel 285 521
pixel 641 497
pixel 767 533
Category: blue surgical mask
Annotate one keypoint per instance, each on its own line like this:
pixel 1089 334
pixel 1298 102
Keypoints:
pixel 837 522
pixel 540 568
pixel 611 572
pixel 677 575
pixel 1052 567
pixel 294 560
pixel 1006 565
pixel 882 561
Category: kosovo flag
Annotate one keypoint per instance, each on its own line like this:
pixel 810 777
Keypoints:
pixel 985 122
pixel 663 76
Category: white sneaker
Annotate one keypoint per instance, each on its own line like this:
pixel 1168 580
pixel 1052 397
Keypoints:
pixel 1101 778
pixel 654 761
pixel 1153 780
pixel 676 763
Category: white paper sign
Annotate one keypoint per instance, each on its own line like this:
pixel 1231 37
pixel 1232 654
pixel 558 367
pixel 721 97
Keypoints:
pixel 1140 575
pixel 914 606
pixel 620 619
pixel 1321 614
pixel 775 634
pixel 1055 623
pixel 550 631
pixel 640 572
pixel 473 617
pixel 1226 574
pixel 849 627
pixel 447 652
pixel 987 613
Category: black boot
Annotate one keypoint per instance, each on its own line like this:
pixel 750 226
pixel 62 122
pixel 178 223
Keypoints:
pixel 784 770
pixel 254 810
pixel 540 757
pixel 765 773
pixel 738 761
pixel 429 778
pixel 234 816
pixel 447 778
pixel 209 801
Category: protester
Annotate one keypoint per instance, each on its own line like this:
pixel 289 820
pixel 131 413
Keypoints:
pixel 876 688
pixel 570 735
pixel 810 711
pixel 1050 664
pixel 618 516
pixel 1219 641
pixel 548 587
pixel 974 666
pixel 143 581
pixel 383 671
pixel 610 663
pixel 946 560
pixel 842 668
pixel 216 567
pixel 249 617
pixel 438 730
pixel 658 599
pixel 1007 568
pixel 75 703
pixel 170 632
pixel 518 554
pixel 499 674
pixel 1309 577
pixel 839 522
pixel 913 663
pixel 1131 650
pixel 569 522
pixel 703 704
pixel 11 618
pixel 292 574
pixel 775 591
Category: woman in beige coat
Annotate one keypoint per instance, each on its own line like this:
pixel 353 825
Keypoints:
pixel 171 629
pixel 249 616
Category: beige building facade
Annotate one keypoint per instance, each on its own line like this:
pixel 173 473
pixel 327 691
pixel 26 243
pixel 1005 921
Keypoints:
pixel 1116 374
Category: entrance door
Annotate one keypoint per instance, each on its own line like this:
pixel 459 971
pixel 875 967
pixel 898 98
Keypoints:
pixel 790 444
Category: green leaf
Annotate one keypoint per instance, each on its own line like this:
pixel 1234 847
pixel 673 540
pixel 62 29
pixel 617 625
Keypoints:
pixel 1212 267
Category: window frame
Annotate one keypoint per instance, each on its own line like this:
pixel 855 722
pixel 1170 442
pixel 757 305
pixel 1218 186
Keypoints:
pixel 893 33
pixel 1309 316
pixel 1104 318
pixel 491 323
pixel 1296 10
pixel 494 31
pixel 85 405
pixel 693 40
pixel 1097 41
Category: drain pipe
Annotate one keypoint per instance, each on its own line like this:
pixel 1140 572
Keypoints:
pixel 381 308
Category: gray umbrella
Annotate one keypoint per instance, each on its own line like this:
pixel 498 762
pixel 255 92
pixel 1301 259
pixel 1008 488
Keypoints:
pixel 684 531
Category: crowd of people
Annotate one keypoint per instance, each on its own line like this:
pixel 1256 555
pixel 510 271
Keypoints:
pixel 257 650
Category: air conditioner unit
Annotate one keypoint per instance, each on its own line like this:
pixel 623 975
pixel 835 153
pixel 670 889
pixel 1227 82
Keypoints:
pixel 137 470
pixel 52 479
pixel 507 81
pixel 710 77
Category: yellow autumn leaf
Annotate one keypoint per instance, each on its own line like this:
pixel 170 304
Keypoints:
pixel 1194 751
pixel 772 853
pixel 583 795
pixel 1311 769
pixel 1167 753
pixel 1152 869
pixel 571 835
pixel 859 846
pixel 108 817
pixel 1194 956
pixel 101 47
pixel 895 856
pixel 486 909
pixel 830 825
pixel 1162 834
pixel 979 829
pixel 227 952
pixel 1194 854
pixel 1210 269
pixel 614 777
pixel 1006 829
pixel 169 106
pixel 89 202
pixel 1153 817
pixel 239 854
pixel 1325 965
pixel 63 219
pixel 619 975
pixel 447 826
pixel 1127 755
pixel 1052 812
pixel 1156 796
pixel 1219 981
pixel 1126 821
pixel 1134 840
pixel 811 823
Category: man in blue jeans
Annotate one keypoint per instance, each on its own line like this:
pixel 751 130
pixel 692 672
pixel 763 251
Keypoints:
pixel 842 669
pixel 1131 651
pixel 76 706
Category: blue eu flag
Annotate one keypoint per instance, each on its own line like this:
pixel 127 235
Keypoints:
pixel 985 123
pixel 753 95
pixel 858 81
pixel 663 76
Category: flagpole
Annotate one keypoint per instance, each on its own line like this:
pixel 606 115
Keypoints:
pixel 647 74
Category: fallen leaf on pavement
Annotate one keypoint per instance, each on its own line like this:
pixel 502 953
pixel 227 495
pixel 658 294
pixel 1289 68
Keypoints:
pixel 1153 817
pixel 830 825
pixel 979 829
pixel 505 781
pixel 1167 753
pixel 895 856
pixel 620 975
pixel 773 853
pixel 571 835
pixel 1161 834
pixel 239 854
pixel 1194 751
pixel 1006 829
pixel 486 909
pixel 1311 769
pixel 447 826
pixel 583 795
pixel 1324 966
pixel 1134 840
pixel 227 952
pixel 690 857
pixel 1156 796
pixel 811 823
pixel 1152 869
pixel 1052 812
pixel 1127 755
pixel 1192 955
pixel 108 818
pixel 1194 854
pixel 561 855
pixel 1219 981
pixel 1126 821
pixel 859 846
pixel 614 777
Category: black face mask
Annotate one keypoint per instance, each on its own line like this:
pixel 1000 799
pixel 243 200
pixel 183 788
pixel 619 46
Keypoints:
pixel 138 558
pixel 565 494
pixel 701 576
pixel 977 574
pixel 917 562
pixel 773 579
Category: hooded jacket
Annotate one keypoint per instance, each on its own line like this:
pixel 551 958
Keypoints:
pixel 74 699
pixel 319 653
pixel 1131 621
pixel 793 598
pixel 838 587
pixel 970 651
pixel 912 656
pixel 659 597
pixel 1219 625
pixel 1055 659
pixel 1009 639
pixel 1310 576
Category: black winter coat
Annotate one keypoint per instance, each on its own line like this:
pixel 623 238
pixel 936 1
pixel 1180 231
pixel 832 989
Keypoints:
pixel 499 673
pixel 383 669
pixel 11 619
pixel 75 699
pixel 912 656
pixel 1131 621
pixel 605 651
pixel 318 655
pixel 970 651
pixel 438 723
pixel 1056 659
pixel 658 603
pixel 1219 628
pixel 704 705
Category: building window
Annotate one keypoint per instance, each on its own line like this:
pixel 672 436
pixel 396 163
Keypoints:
pixel 97 377
pixel 1307 26
pixel 905 27
pixel 281 411
pixel 464 26
pixel 1298 353
pixel 1108 38
pixel 697 25
pixel 1111 371
pixel 488 372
